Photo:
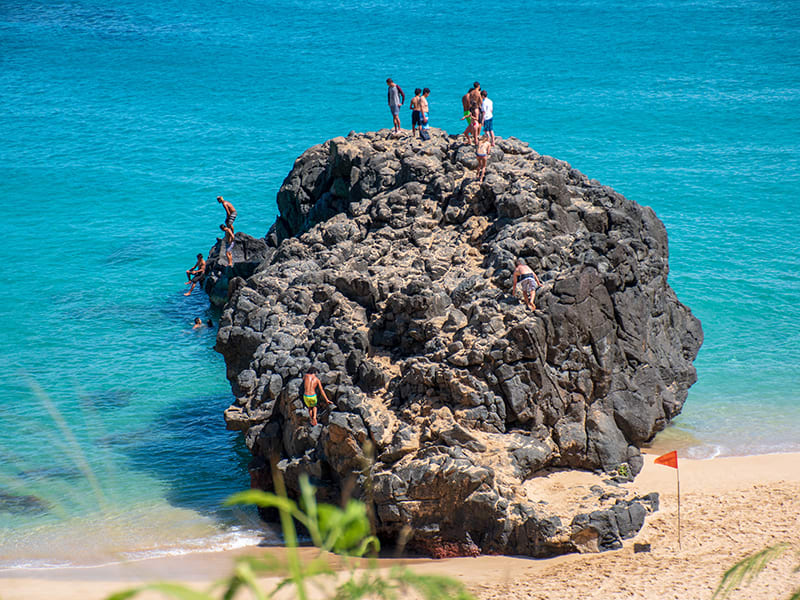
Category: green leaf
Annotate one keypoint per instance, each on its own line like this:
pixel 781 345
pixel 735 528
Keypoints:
pixel 248 578
pixel 308 494
pixel 432 587
pixel 173 590
pixel 125 594
pixel 746 569
pixel 796 595
pixel 262 499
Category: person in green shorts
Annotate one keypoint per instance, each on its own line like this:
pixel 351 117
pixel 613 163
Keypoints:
pixel 311 384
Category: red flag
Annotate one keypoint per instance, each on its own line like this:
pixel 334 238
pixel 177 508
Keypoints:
pixel 670 459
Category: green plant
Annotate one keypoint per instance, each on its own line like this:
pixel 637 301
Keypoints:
pixel 342 531
pixel 622 470
pixel 748 568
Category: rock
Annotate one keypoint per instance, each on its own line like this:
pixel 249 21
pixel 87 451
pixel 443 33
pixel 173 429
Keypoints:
pixel 389 270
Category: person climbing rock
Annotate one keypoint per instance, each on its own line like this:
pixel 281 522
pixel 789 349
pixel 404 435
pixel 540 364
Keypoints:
pixel 196 273
pixel 230 212
pixel 528 283
pixel 228 242
pixel 311 384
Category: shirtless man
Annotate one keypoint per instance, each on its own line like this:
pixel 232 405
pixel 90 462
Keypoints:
pixel 465 104
pixel 415 111
pixel 229 241
pixel 196 273
pixel 311 384
pixel 424 125
pixel 230 212
pixel 528 282
pixel 475 97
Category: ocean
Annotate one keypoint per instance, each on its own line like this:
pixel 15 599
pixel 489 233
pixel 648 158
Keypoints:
pixel 122 121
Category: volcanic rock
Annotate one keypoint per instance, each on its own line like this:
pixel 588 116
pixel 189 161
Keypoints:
pixel 456 407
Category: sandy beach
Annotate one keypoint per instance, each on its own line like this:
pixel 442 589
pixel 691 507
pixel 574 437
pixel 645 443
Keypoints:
pixel 730 507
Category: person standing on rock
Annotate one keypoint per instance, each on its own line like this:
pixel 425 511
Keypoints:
pixel 487 107
pixel 228 242
pixel 475 98
pixel 396 99
pixel 528 283
pixel 424 125
pixel 415 112
pixel 465 104
pixel 311 384
pixel 482 152
pixel 230 212
pixel 473 123
pixel 196 273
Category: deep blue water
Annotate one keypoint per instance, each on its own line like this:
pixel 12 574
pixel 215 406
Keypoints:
pixel 121 121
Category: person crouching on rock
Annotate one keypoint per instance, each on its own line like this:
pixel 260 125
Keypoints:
pixel 311 384
pixel 229 241
pixel 196 273
pixel 528 282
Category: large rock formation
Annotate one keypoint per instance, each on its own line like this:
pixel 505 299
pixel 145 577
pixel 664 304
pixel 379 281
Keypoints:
pixel 389 270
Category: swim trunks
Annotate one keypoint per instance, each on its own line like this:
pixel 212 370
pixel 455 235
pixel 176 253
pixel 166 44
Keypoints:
pixel 469 118
pixel 414 118
pixel 229 247
pixel 528 283
pixel 395 109
pixel 310 401
pixel 230 219
pixel 487 125
pixel 423 120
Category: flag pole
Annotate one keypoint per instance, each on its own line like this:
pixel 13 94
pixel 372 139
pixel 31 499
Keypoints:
pixel 678 478
pixel 670 459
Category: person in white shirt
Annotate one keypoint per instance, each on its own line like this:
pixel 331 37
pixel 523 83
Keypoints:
pixel 487 107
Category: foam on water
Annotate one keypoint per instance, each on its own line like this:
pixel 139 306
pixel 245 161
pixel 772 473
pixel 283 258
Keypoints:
pixel 122 122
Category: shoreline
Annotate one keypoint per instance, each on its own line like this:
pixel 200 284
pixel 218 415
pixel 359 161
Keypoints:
pixel 731 506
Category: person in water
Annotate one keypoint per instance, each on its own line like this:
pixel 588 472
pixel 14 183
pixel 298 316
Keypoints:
pixel 229 242
pixel 482 152
pixel 196 273
pixel 198 323
pixel 528 282
pixel 230 212
pixel 311 384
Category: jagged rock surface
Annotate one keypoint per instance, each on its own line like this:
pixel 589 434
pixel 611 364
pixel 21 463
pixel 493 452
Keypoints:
pixel 389 269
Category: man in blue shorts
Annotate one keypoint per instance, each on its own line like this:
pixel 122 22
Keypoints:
pixel 396 99
pixel 424 125
pixel 488 114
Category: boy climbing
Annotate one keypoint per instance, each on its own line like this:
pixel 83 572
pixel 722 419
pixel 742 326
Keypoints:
pixel 228 242
pixel 311 384
pixel 528 282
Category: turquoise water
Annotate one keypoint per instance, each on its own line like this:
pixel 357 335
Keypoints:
pixel 121 121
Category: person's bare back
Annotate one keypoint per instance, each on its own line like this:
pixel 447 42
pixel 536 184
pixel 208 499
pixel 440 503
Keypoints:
pixel 311 384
